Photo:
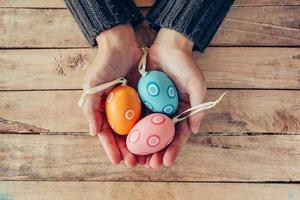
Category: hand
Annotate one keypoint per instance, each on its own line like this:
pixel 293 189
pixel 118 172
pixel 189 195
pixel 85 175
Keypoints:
pixel 171 52
pixel 118 54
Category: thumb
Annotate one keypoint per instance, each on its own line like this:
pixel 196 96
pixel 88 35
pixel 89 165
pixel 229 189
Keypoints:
pixel 197 94
pixel 92 112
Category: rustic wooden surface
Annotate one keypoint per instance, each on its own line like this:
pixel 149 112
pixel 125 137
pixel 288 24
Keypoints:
pixel 243 111
pixel 244 26
pixel 146 191
pixel 259 158
pixel 248 147
pixel 276 68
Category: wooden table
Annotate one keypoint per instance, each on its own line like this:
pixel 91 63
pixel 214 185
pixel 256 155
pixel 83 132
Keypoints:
pixel 248 146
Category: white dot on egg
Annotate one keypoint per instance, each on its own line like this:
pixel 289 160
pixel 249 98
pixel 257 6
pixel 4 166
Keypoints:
pixel 153 89
pixel 134 136
pixel 110 124
pixel 168 109
pixel 110 97
pixel 129 114
pixel 148 105
pixel 157 119
pixel 171 91
pixel 153 140
pixel 138 98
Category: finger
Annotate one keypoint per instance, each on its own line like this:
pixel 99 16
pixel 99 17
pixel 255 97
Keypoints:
pixel 127 156
pixel 92 112
pixel 181 137
pixel 156 159
pixel 109 144
pixel 197 94
pixel 147 163
pixel 141 159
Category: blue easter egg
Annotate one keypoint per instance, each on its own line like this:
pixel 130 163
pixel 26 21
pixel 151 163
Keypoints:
pixel 158 92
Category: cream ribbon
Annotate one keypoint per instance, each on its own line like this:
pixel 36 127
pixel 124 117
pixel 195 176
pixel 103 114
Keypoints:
pixel 143 61
pixel 197 108
pixel 99 88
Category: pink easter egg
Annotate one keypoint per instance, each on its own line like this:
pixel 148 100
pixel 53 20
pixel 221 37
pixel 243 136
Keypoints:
pixel 151 134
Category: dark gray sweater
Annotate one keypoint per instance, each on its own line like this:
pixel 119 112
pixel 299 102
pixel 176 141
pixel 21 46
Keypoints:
pixel 196 19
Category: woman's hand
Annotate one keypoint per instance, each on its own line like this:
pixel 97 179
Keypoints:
pixel 171 52
pixel 117 56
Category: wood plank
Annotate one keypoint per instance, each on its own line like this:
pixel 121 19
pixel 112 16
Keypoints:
pixel 233 67
pixel 241 111
pixel 140 3
pixel 54 3
pixel 266 2
pixel 161 191
pixel 249 26
pixel 204 158
pixel 244 26
pixel 251 67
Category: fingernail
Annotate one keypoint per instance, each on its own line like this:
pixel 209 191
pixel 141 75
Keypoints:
pixel 92 131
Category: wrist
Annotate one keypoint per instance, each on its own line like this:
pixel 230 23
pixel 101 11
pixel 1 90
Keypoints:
pixel 173 39
pixel 120 35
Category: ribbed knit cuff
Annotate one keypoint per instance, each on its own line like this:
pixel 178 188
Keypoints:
pixel 95 16
pixel 196 19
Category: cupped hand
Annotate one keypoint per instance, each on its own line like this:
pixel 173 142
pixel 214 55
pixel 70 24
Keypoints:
pixel 118 55
pixel 171 52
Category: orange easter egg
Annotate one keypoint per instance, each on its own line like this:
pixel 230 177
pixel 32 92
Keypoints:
pixel 123 109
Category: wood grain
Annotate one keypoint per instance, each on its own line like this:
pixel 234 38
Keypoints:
pixel 241 111
pixel 244 26
pixel 53 3
pixel 44 163
pixel 29 190
pixel 204 158
pixel 275 68
pixel 140 3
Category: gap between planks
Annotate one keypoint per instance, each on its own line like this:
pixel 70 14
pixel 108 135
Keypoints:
pixel 211 159
pixel 243 26
pixel 234 68
pixel 240 111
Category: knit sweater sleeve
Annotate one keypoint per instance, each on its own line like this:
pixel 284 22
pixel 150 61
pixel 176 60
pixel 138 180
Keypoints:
pixel 196 19
pixel 95 16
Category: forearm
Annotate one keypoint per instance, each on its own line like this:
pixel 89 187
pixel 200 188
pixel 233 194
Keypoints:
pixel 198 20
pixel 96 16
pixel 172 39
pixel 119 36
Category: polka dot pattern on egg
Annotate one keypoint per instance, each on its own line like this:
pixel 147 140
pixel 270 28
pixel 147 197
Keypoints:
pixel 158 119
pixel 171 92
pixel 110 124
pixel 153 89
pixel 110 97
pixel 148 105
pixel 122 108
pixel 156 131
pixel 134 136
pixel 138 98
pixel 129 114
pixel 168 109
pixel 153 140
pixel 158 92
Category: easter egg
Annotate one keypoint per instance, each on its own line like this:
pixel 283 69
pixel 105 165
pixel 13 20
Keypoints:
pixel 151 134
pixel 158 92
pixel 123 109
